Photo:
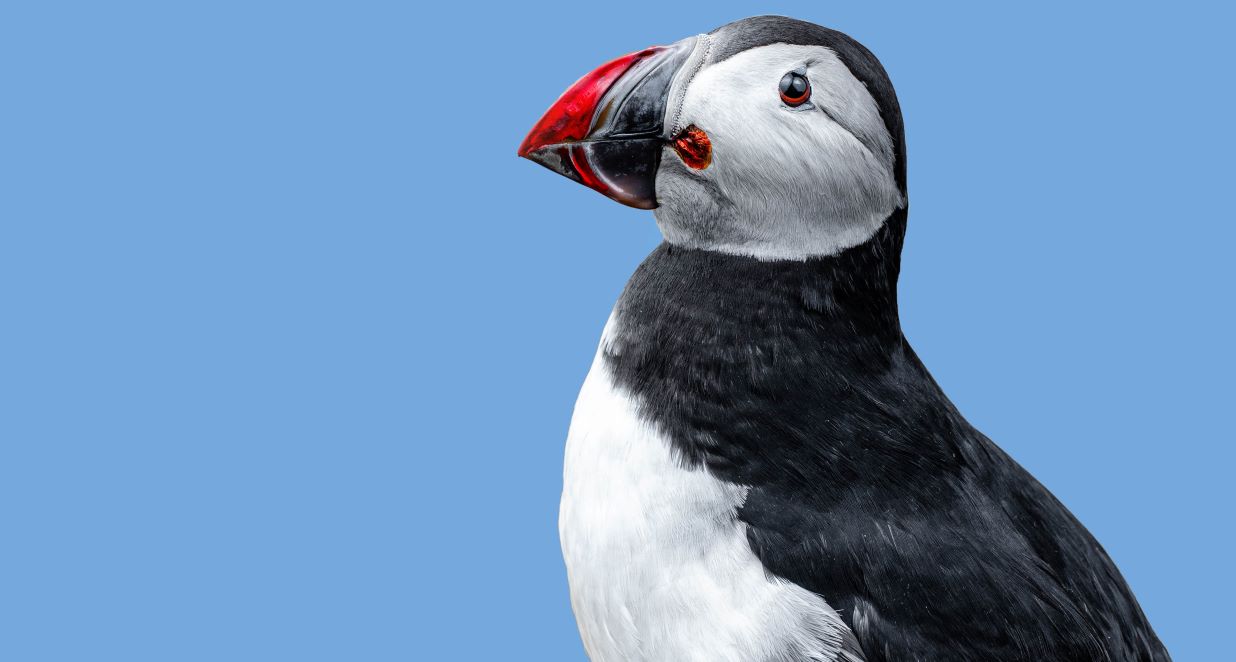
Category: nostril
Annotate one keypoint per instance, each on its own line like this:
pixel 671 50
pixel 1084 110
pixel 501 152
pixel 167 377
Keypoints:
pixel 693 147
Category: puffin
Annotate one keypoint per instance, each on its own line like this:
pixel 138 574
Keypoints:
pixel 758 467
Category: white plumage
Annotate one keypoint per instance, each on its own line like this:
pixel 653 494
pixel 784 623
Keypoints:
pixel 659 566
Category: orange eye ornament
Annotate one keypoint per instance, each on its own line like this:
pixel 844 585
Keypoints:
pixel 795 89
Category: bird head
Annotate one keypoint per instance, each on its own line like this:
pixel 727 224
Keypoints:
pixel 769 137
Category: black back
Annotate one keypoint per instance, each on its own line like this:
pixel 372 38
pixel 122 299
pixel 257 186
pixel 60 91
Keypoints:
pixel 866 485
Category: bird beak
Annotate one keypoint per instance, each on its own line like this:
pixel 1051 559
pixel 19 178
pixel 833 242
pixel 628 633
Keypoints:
pixel 607 130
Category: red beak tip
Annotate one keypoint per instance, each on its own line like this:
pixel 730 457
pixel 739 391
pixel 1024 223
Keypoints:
pixel 574 139
pixel 570 117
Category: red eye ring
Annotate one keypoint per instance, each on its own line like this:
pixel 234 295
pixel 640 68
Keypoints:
pixel 795 89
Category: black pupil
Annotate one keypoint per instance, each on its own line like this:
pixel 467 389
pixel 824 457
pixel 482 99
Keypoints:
pixel 793 86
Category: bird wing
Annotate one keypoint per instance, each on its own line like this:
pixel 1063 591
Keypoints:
pixel 986 563
pixel 864 483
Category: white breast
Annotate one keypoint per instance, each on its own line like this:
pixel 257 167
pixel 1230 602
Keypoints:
pixel 659 567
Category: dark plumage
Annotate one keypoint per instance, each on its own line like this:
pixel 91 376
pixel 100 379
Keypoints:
pixel 792 379
pixel 866 485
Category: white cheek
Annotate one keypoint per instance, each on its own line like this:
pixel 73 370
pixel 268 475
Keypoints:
pixel 798 182
pixel 767 156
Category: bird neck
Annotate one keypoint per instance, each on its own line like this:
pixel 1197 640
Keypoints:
pixel 724 351
pixel 846 298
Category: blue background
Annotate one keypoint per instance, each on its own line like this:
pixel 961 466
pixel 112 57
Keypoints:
pixel 291 337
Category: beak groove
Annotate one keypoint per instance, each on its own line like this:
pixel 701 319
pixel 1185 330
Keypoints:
pixel 606 131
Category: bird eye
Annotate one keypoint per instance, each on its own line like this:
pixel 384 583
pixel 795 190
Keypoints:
pixel 795 89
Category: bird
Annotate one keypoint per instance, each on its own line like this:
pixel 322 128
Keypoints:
pixel 759 468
